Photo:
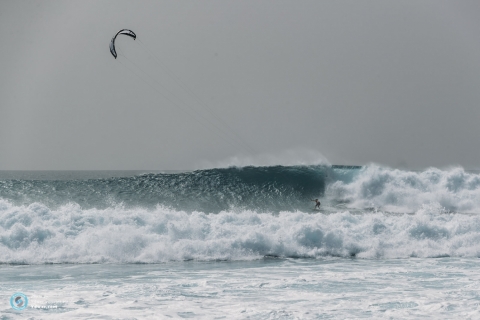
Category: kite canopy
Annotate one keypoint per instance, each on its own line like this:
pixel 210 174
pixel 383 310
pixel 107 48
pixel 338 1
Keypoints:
pixel 126 32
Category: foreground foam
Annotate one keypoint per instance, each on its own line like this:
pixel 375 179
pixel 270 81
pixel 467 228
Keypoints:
pixel 35 234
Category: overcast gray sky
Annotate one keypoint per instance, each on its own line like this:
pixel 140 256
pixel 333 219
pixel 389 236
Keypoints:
pixel 390 82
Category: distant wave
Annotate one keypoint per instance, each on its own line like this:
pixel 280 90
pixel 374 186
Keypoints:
pixel 35 234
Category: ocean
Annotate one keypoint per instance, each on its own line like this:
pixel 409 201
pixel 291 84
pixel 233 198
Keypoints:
pixel 241 243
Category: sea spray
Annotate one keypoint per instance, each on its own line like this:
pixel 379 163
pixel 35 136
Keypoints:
pixel 373 186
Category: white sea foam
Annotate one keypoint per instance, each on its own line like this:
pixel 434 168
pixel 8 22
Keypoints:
pixel 330 288
pixel 36 234
pixel 394 190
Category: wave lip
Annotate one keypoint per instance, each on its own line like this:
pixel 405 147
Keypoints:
pixel 35 234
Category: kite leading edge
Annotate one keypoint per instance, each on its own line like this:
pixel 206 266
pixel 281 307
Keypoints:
pixel 126 32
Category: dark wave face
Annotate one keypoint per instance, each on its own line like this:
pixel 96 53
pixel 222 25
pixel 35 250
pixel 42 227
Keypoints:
pixel 265 189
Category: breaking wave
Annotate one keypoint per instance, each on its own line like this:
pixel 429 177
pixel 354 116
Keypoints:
pixel 271 189
pixel 35 234
pixel 453 190
pixel 241 214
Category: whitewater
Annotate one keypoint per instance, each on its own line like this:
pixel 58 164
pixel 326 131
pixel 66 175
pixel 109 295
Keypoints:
pixel 242 242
